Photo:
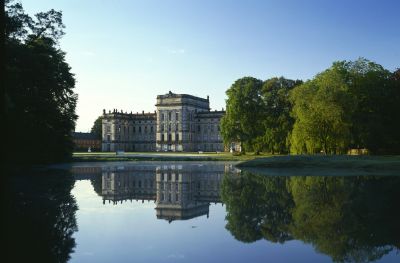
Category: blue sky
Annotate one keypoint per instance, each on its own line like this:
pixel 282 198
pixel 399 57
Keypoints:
pixel 125 53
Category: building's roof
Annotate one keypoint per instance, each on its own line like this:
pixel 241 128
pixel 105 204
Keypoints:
pixel 137 115
pixel 210 114
pixel 174 95
pixel 84 136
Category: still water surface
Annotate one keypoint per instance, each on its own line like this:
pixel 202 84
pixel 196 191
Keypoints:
pixel 202 212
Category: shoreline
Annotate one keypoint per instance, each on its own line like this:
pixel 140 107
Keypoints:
pixel 340 165
pixel 146 156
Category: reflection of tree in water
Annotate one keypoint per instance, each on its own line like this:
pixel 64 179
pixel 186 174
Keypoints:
pixel 347 218
pixel 40 214
pixel 257 208
pixel 96 181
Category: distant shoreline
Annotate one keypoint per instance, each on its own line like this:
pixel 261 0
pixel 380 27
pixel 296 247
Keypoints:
pixel 160 156
pixel 339 165
pixel 250 160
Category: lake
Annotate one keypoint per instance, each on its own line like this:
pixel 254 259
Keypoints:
pixel 198 212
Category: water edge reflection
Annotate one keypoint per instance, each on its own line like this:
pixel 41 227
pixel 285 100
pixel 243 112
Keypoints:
pixel 180 191
pixel 40 216
pixel 351 219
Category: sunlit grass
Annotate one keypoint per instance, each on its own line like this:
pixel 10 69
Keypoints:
pixel 321 161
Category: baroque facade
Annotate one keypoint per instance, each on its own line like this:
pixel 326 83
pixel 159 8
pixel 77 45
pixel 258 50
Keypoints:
pixel 181 122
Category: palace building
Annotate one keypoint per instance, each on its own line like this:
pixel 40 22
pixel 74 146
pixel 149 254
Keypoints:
pixel 181 123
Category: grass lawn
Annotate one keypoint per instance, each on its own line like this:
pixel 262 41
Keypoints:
pixel 324 165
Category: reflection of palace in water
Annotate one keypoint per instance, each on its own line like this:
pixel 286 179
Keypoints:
pixel 179 191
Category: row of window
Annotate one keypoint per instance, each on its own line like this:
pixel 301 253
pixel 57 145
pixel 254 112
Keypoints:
pixel 169 198
pixel 164 116
pixel 169 127
pixel 168 177
pixel 207 128
pixel 168 186
pixel 164 127
pixel 169 137
pixel 133 129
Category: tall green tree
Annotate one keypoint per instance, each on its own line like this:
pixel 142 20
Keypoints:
pixel 40 101
pixel 322 110
pixel 97 127
pixel 278 121
pixel 244 110
pixel 375 100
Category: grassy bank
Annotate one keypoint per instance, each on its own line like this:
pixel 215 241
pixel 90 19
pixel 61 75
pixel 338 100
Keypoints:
pixel 324 165
pixel 149 156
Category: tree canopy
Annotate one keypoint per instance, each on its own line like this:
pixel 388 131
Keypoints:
pixel 97 127
pixel 321 111
pixel 243 112
pixel 277 122
pixel 40 101
pixel 351 105
pixel 258 114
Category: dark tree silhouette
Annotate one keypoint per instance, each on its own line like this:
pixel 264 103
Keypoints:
pixel 39 98
pixel 97 127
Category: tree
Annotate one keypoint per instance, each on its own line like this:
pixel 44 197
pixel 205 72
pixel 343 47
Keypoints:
pixel 277 122
pixel 322 110
pixel 97 127
pixel 40 101
pixel 376 101
pixel 244 110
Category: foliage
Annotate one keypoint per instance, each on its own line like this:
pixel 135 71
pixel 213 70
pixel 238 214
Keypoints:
pixel 376 98
pixel 277 121
pixel 97 127
pixel 321 109
pixel 243 112
pixel 40 101
pixel 349 105
pixel 258 114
